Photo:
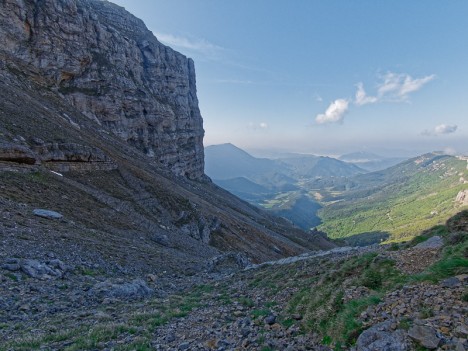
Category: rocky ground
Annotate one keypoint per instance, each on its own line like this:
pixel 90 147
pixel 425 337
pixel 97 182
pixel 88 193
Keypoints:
pixel 322 301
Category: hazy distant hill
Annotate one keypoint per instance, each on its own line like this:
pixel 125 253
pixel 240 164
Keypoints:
pixel 274 184
pixel 401 200
pixel 226 161
pixel 245 189
pixel 320 166
pixel 369 161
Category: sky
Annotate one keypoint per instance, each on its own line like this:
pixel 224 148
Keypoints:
pixel 323 77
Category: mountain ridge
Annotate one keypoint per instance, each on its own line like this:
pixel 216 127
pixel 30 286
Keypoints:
pixel 401 200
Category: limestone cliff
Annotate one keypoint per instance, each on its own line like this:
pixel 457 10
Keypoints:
pixel 107 64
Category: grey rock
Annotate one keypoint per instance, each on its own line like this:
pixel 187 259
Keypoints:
pixel 47 214
pixel 170 338
pixel 16 153
pixel 271 319
pixel 425 335
pixel 228 262
pixel 135 289
pixel 433 242
pixel 36 269
pixel 450 282
pixel 462 197
pixel 114 71
pixel 184 346
pixel 57 264
pixel 244 332
pixel 161 239
pixel 462 331
pixel 380 337
pixel 12 267
pixel 222 343
pixel 64 157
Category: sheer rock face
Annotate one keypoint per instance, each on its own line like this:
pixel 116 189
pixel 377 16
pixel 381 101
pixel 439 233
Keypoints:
pixel 105 62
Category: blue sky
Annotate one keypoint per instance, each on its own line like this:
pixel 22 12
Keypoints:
pixel 324 77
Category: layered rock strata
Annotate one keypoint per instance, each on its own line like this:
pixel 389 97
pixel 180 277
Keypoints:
pixel 106 63
pixel 61 157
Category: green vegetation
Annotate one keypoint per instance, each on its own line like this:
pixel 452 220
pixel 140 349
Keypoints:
pixel 260 313
pixel 298 207
pixel 402 201
pixel 322 303
pixel 245 301
pixel 139 324
pixel 323 306
pixel 11 276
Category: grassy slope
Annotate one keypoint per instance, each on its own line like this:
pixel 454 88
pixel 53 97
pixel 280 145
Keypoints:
pixel 404 200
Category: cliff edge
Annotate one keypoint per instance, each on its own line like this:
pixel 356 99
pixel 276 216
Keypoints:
pixel 107 64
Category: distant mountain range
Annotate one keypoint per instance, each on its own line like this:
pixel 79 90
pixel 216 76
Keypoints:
pixel 226 161
pixel 400 201
pixel 369 161
pixel 274 184
pixel 341 198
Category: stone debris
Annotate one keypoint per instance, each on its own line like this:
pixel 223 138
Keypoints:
pixel 47 214
pixel 437 313
pixel 414 260
pixel 405 317
pixel 36 269
pixel 136 289
pixel 228 262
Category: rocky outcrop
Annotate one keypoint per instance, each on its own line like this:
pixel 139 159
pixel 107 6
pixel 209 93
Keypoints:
pixel 106 63
pixel 61 157
pixel 462 197
pixel 16 153
pixel 135 289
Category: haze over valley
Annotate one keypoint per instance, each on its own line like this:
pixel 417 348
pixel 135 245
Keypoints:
pixel 342 198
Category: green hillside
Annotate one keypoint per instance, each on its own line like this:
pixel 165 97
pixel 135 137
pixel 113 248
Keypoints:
pixel 401 200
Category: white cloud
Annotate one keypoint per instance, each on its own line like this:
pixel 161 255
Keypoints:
pixel 362 98
pixel 445 129
pixel 441 129
pixel 198 46
pixel 256 126
pixel 398 86
pixel 393 87
pixel 334 113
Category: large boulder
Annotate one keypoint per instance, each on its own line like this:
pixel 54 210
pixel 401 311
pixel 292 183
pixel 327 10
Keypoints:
pixel 381 337
pixel 425 335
